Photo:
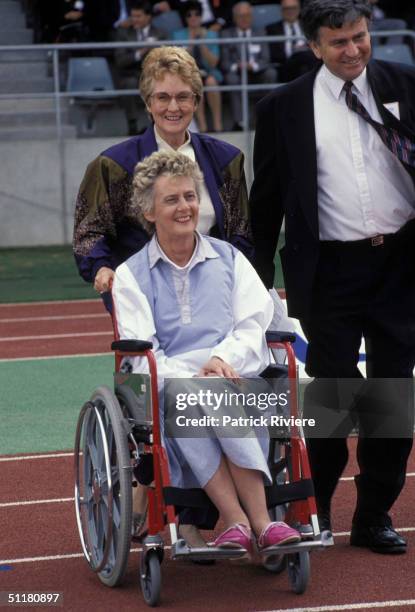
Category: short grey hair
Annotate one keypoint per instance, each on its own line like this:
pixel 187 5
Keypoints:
pixel 239 4
pixel 331 14
pixel 146 173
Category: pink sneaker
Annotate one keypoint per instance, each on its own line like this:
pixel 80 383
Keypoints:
pixel 275 534
pixel 236 536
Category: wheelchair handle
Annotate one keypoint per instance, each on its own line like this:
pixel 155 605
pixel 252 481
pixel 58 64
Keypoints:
pixel 131 346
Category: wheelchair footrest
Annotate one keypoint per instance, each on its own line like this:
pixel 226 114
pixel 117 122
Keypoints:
pixel 305 545
pixel 181 550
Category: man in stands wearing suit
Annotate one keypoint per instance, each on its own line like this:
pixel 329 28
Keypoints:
pixel 293 56
pixel 128 61
pixel 216 14
pixel 334 155
pixel 259 70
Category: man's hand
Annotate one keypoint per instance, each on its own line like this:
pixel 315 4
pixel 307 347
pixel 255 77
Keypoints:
pixel 217 367
pixel 103 279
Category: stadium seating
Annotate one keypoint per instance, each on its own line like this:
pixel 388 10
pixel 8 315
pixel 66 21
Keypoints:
pixel 168 22
pixel 264 14
pixel 388 24
pixel 89 74
pixel 394 53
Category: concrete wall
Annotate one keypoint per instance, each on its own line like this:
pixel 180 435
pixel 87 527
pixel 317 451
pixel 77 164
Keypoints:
pixel 35 187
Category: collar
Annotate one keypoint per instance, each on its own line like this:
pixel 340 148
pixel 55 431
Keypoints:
pixel 335 84
pixel 162 144
pixel 203 250
pixel 246 33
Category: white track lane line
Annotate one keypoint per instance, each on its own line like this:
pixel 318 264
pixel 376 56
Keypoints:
pixel 98 315
pixel 350 606
pixel 56 557
pixel 28 457
pixel 37 501
pixel 51 302
pixel 56 356
pixel 56 336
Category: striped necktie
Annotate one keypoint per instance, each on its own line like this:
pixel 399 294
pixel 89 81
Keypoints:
pixel 400 145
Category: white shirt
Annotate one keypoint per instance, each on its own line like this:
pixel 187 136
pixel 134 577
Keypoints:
pixel 244 348
pixel 363 189
pixel 207 217
pixel 252 50
pixel 290 44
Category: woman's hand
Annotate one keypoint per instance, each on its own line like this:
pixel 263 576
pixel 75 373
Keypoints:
pixel 217 367
pixel 103 279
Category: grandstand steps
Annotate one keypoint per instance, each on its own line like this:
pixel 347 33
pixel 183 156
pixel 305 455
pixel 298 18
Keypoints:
pixel 15 37
pixel 26 73
pixel 23 70
pixel 38 118
pixel 35 132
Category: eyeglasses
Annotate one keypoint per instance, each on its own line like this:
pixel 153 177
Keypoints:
pixel 184 99
pixel 193 14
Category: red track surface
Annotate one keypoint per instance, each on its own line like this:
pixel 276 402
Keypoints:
pixel 340 576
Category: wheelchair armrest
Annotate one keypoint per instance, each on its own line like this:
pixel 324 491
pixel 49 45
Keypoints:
pixel 131 346
pixel 279 336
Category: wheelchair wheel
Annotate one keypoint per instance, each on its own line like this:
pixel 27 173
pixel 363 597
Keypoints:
pixel 299 571
pixel 103 489
pixel 275 563
pixel 150 577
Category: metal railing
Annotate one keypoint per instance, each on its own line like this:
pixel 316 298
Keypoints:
pixel 58 93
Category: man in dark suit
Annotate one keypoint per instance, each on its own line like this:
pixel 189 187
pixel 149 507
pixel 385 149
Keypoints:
pixel 128 61
pixel 332 156
pixel 259 70
pixel 292 56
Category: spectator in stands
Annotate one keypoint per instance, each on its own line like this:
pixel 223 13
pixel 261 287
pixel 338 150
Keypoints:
pixel 334 158
pixel 103 17
pixel 216 14
pixel 293 57
pixel 257 65
pixel 128 61
pixel 207 60
pixel 377 12
pixel 61 14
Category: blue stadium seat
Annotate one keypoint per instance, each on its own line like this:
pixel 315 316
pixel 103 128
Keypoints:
pixel 168 22
pixel 388 25
pixel 264 14
pixel 87 74
pixel 394 53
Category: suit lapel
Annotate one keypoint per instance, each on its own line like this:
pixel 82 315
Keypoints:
pixel 300 138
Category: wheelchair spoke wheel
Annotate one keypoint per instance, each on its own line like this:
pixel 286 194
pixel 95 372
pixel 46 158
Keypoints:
pixel 150 577
pixel 103 486
pixel 299 571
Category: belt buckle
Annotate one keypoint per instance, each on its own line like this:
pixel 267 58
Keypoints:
pixel 377 240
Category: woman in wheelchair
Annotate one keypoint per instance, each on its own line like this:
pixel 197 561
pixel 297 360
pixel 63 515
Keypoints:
pixel 202 305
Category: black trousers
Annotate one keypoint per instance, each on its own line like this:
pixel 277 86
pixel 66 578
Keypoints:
pixel 363 290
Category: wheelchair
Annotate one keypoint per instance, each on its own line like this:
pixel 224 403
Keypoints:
pixel 118 432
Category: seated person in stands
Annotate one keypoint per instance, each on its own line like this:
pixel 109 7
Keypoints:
pixel 257 61
pixel 216 14
pixel 129 61
pixel 293 57
pixel 207 60
pixel 204 308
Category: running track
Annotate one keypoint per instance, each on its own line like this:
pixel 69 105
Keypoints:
pixel 39 547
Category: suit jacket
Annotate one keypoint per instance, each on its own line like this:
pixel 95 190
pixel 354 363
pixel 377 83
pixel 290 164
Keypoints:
pixel 125 60
pixel 285 166
pixel 276 49
pixel 231 54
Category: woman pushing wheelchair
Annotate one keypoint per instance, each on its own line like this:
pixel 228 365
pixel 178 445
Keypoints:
pixel 202 305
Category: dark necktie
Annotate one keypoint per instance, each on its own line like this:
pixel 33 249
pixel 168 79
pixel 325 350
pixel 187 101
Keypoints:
pixel 400 145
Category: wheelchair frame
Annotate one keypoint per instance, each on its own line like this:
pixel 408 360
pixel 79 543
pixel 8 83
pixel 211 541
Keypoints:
pixel 109 441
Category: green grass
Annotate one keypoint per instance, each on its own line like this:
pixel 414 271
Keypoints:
pixel 41 399
pixel 41 273
pixel 49 273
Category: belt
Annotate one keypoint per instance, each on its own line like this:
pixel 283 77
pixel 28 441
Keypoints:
pixel 374 241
